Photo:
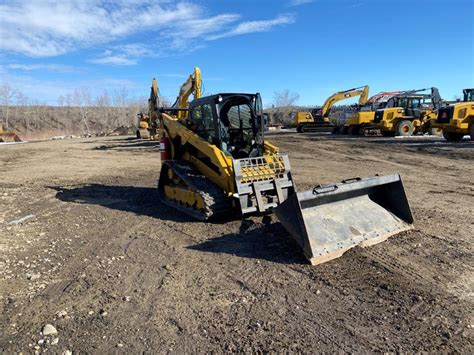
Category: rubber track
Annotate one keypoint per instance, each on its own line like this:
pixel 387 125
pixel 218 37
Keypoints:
pixel 216 203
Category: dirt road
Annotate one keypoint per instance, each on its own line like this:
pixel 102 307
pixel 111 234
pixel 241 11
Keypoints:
pixel 86 247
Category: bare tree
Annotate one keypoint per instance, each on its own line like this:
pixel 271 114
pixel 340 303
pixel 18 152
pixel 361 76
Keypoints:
pixel 82 99
pixel 22 101
pixel 283 102
pixel 285 98
pixel 120 101
pixel 7 93
pixel 102 102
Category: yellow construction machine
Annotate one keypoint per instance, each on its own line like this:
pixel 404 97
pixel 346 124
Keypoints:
pixel 409 113
pixel 8 136
pixel 318 119
pixel 216 164
pixel 358 122
pixel 147 123
pixel 143 130
pixel 457 120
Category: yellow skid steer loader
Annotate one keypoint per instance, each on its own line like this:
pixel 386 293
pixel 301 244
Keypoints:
pixel 215 162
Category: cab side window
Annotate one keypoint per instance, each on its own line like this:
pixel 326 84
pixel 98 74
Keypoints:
pixel 203 122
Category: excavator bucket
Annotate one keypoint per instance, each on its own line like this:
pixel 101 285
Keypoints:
pixel 329 220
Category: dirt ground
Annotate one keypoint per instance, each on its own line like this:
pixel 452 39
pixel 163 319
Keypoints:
pixel 86 246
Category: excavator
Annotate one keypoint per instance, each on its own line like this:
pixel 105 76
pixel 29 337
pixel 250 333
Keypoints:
pixel 148 123
pixel 8 136
pixel 358 122
pixel 457 120
pixel 409 113
pixel 216 164
pixel 318 119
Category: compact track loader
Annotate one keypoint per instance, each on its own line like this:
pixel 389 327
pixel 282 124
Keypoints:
pixel 216 163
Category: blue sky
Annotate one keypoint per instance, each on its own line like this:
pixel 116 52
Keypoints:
pixel 313 48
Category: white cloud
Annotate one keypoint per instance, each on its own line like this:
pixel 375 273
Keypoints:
pixel 126 54
pixel 47 28
pixel 114 60
pixel 59 68
pixel 299 2
pixel 256 26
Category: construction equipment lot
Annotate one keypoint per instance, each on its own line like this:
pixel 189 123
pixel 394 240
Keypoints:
pixel 86 247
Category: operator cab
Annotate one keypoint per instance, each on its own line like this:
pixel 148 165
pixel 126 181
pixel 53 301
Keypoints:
pixel 468 95
pixel 412 104
pixel 233 122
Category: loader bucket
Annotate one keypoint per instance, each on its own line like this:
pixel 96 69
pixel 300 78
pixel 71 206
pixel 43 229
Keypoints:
pixel 329 220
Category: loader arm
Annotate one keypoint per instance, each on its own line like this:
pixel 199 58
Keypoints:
pixel 362 91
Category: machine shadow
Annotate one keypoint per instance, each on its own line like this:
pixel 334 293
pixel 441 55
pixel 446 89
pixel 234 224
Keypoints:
pixel 270 242
pixel 132 145
pixel 138 200
pixel 267 242
pixel 427 143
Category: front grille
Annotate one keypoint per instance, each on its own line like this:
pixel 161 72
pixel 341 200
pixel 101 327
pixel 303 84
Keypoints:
pixel 261 168
pixel 445 114
pixel 378 116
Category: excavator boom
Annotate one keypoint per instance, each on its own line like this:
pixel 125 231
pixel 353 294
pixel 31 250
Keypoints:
pixel 192 85
pixel 362 91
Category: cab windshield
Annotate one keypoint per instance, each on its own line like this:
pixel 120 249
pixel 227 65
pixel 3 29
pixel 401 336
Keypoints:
pixel 240 125
pixel 469 95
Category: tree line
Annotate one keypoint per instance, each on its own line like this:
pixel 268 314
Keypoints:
pixel 77 112
pixel 81 113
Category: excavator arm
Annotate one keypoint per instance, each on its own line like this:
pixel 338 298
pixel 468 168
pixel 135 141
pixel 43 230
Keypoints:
pixel 434 95
pixel 362 91
pixel 153 101
pixel 192 85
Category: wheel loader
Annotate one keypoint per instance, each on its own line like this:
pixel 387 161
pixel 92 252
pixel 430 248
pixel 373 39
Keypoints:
pixel 318 119
pixel 457 120
pixel 217 164
pixel 409 113
pixel 8 136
